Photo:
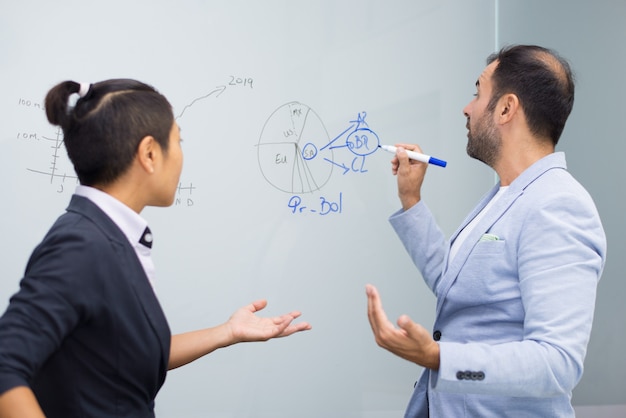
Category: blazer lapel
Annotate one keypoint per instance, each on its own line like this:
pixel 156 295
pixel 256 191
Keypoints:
pixel 493 214
pixel 516 189
pixel 140 283
pixel 150 304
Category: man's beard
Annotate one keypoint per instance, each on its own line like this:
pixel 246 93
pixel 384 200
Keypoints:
pixel 484 142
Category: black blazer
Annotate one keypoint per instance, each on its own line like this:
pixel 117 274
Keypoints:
pixel 85 331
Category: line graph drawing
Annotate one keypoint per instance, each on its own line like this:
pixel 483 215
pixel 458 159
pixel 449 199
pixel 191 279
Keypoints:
pixel 217 91
pixel 54 170
pixel 61 170
pixel 233 81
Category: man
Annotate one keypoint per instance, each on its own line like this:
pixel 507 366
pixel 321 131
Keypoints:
pixel 516 283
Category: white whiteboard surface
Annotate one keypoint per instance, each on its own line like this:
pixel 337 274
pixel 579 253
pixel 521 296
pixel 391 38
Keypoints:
pixel 253 218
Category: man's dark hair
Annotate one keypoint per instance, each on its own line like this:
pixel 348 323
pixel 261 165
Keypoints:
pixel 543 82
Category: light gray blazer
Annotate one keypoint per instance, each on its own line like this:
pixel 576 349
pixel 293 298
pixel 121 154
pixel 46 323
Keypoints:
pixel 514 307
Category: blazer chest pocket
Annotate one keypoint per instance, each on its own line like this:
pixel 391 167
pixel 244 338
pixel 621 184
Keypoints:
pixel 486 274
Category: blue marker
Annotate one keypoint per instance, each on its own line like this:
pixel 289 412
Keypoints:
pixel 416 156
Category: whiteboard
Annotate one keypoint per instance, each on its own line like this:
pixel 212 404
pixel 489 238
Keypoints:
pixel 283 193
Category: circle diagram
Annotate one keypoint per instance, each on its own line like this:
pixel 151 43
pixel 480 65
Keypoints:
pixel 294 150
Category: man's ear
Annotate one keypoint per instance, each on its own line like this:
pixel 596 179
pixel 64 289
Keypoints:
pixel 146 153
pixel 507 108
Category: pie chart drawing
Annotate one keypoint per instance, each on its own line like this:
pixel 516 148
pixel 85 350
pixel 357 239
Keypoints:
pixel 294 150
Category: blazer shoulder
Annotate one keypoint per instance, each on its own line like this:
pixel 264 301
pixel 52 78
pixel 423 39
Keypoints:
pixel 82 213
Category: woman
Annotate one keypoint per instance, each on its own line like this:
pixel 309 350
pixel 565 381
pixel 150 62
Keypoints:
pixel 85 334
